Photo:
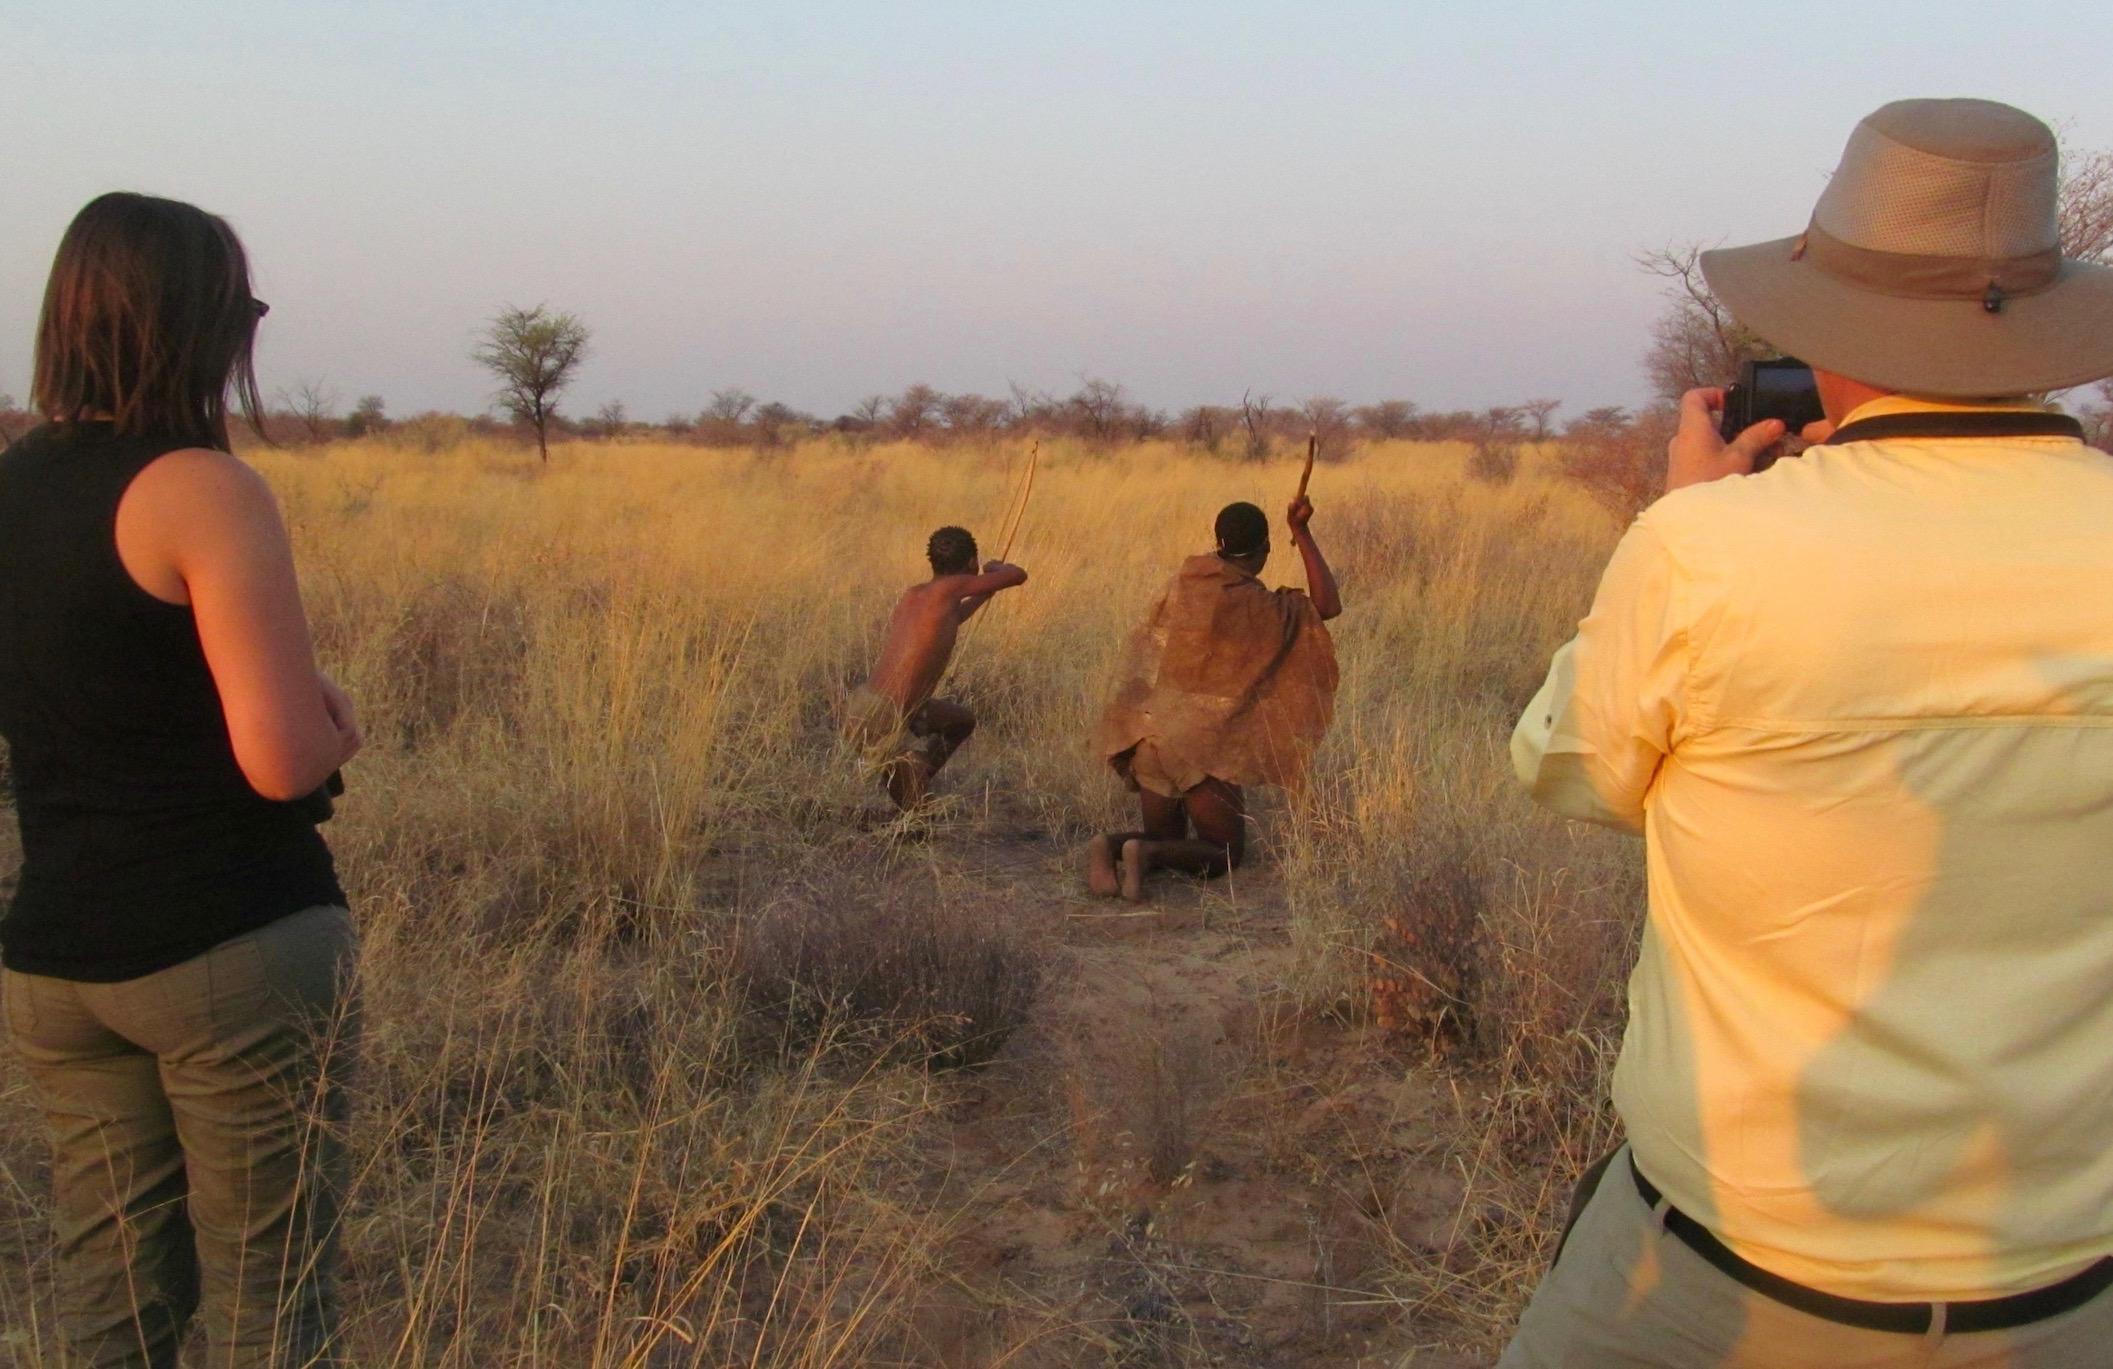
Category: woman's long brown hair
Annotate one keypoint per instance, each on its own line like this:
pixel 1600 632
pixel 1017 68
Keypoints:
pixel 148 319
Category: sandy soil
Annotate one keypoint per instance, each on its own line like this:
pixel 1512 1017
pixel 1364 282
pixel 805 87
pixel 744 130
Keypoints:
pixel 1172 1154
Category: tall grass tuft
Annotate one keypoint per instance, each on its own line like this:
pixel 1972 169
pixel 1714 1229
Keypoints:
pixel 943 981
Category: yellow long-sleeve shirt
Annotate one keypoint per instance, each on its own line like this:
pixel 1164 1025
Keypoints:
pixel 1860 706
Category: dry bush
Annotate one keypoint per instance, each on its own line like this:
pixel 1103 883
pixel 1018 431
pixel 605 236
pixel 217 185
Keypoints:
pixel 1179 1073
pixel 1621 463
pixel 430 433
pixel 935 980
pixel 1428 955
pixel 1140 1099
pixel 1495 458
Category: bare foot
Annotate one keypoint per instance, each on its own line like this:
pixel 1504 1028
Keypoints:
pixel 1100 868
pixel 908 782
pixel 1134 870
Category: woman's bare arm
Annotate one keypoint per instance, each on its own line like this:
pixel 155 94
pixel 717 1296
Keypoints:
pixel 198 527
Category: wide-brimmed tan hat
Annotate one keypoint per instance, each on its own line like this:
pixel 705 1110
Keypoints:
pixel 1932 264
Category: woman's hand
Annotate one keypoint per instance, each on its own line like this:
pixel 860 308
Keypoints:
pixel 338 704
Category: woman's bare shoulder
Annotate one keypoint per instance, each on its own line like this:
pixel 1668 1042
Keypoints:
pixel 199 480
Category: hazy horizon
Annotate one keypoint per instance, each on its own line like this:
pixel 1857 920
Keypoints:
pixel 821 203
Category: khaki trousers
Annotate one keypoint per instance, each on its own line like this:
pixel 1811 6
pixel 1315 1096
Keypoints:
pixel 1627 1295
pixel 194 1117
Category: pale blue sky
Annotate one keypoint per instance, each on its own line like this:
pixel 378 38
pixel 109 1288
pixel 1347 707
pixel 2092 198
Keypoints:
pixel 820 201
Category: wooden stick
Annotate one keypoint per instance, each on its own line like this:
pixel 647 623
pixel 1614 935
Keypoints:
pixel 1312 445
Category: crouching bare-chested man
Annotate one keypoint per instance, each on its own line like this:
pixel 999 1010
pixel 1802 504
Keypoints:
pixel 907 734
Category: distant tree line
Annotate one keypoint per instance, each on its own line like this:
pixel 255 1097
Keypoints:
pixel 535 355
pixel 1614 452
pixel 1099 413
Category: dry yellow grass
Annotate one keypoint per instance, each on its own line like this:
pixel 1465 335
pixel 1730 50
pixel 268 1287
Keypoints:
pixel 600 701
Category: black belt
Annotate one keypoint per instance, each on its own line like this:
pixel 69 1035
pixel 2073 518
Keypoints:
pixel 1915 1318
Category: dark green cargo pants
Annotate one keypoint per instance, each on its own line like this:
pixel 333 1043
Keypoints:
pixel 195 1118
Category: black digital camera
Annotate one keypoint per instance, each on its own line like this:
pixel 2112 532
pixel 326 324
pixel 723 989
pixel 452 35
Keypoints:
pixel 1780 388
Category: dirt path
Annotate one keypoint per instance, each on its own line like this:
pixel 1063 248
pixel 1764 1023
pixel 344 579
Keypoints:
pixel 1172 1160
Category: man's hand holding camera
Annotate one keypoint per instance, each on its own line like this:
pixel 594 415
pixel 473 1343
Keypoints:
pixel 1697 454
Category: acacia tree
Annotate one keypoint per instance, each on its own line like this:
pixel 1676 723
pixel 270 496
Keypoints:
pixel 1096 408
pixel 1607 418
pixel 1696 341
pixel 1327 420
pixel 729 406
pixel 972 416
pixel 2083 213
pixel 367 416
pixel 1495 456
pixel 535 354
pixel 1388 419
pixel 1538 412
pixel 1254 419
pixel 315 404
pixel 725 413
pixel 914 411
pixel 1026 407
pixel 1203 426
pixel 774 420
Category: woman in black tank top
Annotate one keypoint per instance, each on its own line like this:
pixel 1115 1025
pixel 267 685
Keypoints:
pixel 177 955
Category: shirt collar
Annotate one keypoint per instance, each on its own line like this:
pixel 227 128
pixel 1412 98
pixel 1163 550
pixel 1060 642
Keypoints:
pixel 1886 406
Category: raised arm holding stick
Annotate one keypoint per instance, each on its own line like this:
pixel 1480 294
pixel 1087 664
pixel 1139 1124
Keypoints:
pixel 1245 702
pixel 1320 580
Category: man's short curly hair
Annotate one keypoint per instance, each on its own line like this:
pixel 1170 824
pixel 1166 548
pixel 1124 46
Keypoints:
pixel 951 551
pixel 1242 530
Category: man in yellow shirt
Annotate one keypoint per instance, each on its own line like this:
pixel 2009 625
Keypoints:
pixel 1860 708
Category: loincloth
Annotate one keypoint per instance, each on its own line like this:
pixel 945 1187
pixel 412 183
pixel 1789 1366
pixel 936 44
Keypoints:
pixel 1144 766
pixel 1224 680
pixel 876 724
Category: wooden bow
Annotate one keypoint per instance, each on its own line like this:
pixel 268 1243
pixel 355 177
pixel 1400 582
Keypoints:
pixel 1016 511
